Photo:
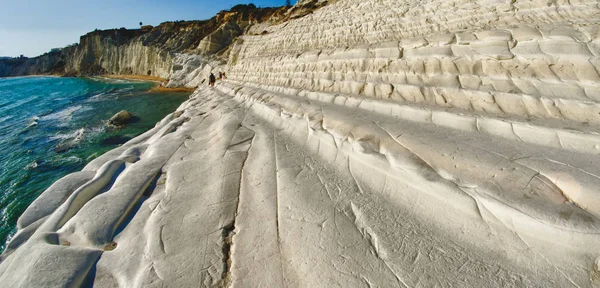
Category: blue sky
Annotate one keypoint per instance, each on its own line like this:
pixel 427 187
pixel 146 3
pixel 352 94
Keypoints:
pixel 33 27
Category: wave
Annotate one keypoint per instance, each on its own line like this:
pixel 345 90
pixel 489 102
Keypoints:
pixel 45 113
pixel 70 159
pixel 32 165
pixel 95 130
pixel 18 104
pixel 62 161
pixel 65 114
pixel 100 96
pixel 77 134
pixel 32 123
pixel 69 141
pixel 74 138
pixel 2 119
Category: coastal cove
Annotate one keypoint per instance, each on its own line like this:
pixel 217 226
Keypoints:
pixel 39 115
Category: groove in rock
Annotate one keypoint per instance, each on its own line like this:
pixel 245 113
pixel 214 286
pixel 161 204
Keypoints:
pixel 229 231
pixel 227 236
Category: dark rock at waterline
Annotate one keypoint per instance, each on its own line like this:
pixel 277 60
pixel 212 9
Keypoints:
pixel 134 119
pixel 114 140
pixel 120 119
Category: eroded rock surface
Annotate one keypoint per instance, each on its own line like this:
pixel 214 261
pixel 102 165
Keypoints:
pixel 368 143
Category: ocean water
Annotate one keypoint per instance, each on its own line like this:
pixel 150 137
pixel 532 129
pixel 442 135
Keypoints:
pixel 50 127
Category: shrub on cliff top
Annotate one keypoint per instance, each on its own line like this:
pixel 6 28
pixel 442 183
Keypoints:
pixel 242 7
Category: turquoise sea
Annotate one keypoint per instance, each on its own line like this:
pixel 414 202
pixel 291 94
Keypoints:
pixel 39 114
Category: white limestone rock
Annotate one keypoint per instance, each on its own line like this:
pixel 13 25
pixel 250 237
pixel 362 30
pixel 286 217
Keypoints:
pixel 369 143
pixel 191 70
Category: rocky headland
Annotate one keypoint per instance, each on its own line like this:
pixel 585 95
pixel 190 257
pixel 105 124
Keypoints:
pixel 150 51
pixel 354 143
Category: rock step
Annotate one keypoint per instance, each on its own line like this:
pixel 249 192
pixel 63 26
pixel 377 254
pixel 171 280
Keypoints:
pixel 524 41
pixel 406 145
pixel 557 134
pixel 532 87
pixel 551 71
pixel 377 23
pixel 500 103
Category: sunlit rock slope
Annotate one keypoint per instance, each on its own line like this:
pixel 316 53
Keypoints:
pixel 367 143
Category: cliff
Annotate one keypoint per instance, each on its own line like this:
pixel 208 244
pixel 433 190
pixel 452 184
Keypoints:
pixel 148 51
pixel 365 143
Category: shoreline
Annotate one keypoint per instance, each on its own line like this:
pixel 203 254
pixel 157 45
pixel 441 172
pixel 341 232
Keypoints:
pixel 145 91
pixel 177 89
pixel 155 89
pixel 134 77
pixel 155 79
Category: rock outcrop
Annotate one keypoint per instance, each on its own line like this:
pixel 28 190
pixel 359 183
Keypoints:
pixel 191 70
pixel 366 143
pixel 120 119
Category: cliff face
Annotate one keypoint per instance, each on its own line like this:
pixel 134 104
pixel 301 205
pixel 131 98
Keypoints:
pixel 49 63
pixel 148 51
pixel 99 53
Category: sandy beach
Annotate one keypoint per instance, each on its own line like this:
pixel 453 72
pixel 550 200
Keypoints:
pixel 136 77
pixel 175 89
pixel 158 80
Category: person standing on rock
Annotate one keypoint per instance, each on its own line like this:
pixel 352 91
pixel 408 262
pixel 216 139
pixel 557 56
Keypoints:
pixel 220 75
pixel 211 80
